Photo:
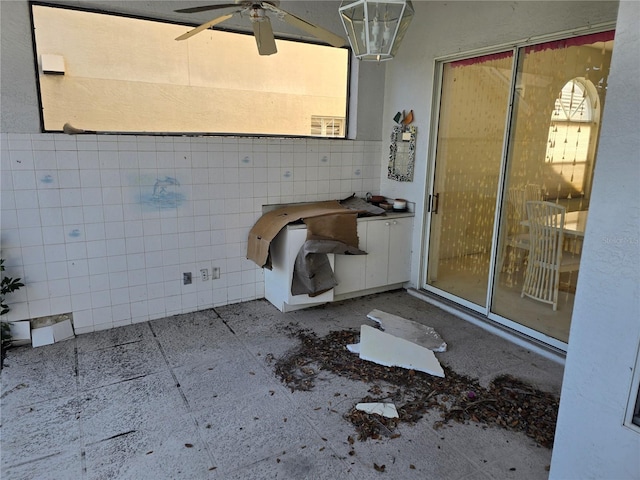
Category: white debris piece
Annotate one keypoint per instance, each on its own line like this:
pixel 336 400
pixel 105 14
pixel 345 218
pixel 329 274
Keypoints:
pixel 409 330
pixel 63 331
pixel 354 347
pixel 385 409
pixel 42 336
pixel 20 332
pixel 385 349
pixel 49 334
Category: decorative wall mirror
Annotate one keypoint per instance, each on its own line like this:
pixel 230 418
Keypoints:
pixel 402 153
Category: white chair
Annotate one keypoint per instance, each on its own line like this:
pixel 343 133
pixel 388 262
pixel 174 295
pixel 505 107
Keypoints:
pixel 546 260
pixel 517 241
pixel 532 193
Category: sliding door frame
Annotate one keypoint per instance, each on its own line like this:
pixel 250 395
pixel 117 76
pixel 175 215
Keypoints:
pixel 517 48
pixel 430 202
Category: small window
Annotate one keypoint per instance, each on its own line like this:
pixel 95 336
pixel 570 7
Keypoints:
pixel 327 126
pixel 112 73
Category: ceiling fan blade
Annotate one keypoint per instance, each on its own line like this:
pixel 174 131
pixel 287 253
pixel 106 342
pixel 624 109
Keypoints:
pixel 318 32
pixel 264 37
pixel 205 8
pixel 204 26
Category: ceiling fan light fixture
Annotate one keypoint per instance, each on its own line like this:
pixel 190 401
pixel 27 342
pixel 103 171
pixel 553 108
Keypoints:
pixel 375 29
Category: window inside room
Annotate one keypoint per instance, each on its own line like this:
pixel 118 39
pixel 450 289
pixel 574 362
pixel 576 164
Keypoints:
pixel 568 145
pixel 112 73
pixel 327 126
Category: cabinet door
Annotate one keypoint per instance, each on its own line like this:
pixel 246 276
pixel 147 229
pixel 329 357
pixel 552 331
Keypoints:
pixel 400 233
pixel 377 263
pixel 295 239
pixel 350 269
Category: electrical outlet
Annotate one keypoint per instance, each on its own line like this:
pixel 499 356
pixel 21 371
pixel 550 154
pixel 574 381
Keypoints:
pixel 186 278
pixel 215 273
pixel 204 274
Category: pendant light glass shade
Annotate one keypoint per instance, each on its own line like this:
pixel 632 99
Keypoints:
pixel 375 29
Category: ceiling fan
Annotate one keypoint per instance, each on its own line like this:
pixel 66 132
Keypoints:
pixel 257 12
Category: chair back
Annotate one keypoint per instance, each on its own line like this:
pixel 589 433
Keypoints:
pixel 546 223
pixel 532 193
pixel 515 209
pixel 517 198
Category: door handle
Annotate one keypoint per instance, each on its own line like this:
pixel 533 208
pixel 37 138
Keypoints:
pixel 435 198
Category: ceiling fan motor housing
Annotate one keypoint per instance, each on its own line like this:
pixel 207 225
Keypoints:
pixel 257 13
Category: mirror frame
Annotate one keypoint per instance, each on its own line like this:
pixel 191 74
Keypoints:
pixel 396 137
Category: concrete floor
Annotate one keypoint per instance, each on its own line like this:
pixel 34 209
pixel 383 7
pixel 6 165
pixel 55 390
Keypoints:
pixel 194 396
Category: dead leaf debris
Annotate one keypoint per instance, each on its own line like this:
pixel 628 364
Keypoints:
pixel 508 402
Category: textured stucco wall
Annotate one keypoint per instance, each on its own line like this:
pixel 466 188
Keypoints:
pixel 591 441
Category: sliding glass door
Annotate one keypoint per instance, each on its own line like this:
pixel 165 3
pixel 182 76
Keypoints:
pixel 471 130
pixel 515 128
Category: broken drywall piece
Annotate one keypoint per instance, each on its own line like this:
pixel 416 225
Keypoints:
pixel 390 351
pixel 62 331
pixel 385 409
pixel 20 332
pixel 42 336
pixel 354 347
pixel 409 330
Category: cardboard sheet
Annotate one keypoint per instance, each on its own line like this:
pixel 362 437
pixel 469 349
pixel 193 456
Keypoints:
pixel 341 227
pixel 312 273
pixel 270 224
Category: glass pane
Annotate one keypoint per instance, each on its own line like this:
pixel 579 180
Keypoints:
pixel 122 74
pixel 471 128
pixel 560 93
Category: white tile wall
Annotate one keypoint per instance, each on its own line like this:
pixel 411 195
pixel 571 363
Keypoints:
pixel 83 229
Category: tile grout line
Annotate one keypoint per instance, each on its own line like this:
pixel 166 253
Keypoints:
pixel 184 398
pixel 83 453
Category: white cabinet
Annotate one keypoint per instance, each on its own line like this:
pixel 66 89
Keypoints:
pixel 387 241
pixel 377 247
pixel 277 281
pixel 350 269
pixel 388 244
pixel 400 238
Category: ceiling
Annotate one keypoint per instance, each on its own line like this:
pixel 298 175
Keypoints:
pixel 323 13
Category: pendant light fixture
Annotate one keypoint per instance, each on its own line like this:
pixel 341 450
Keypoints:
pixel 375 29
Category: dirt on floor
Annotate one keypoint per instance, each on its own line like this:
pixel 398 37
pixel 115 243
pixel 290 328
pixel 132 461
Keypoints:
pixel 507 403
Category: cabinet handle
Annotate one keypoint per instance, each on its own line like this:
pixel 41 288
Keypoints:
pixel 395 222
pixel 387 223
